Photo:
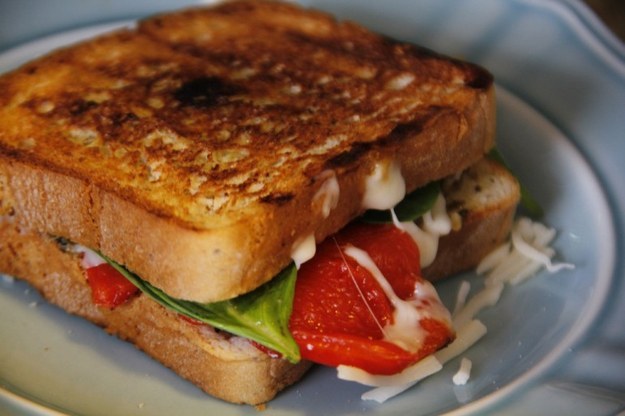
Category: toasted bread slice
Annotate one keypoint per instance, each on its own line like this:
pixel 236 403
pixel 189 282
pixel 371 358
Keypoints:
pixel 192 148
pixel 482 200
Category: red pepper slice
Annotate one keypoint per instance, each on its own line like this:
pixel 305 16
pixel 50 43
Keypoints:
pixel 332 323
pixel 109 288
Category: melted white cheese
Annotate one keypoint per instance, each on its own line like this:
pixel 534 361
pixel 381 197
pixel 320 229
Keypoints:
pixel 436 223
pixel 405 329
pixel 385 187
pixel 424 368
pixel 327 195
pixel 427 242
pixel 520 258
pixel 464 372
pixel 89 257
pixel 393 385
pixel 461 296
pixel 303 250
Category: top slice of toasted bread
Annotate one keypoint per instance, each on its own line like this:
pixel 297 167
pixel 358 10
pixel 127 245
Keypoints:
pixel 192 148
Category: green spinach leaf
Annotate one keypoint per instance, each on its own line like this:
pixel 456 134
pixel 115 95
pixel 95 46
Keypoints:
pixel 261 315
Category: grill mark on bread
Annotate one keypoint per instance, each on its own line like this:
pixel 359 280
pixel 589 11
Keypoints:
pixel 403 131
pixel 277 198
pixel 119 118
pixel 480 80
pixel 348 157
pixel 205 92
pixel 80 106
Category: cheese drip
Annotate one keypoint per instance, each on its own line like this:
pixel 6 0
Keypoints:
pixel 436 223
pixel 405 329
pixel 304 249
pixel 327 196
pixel 89 257
pixel 385 187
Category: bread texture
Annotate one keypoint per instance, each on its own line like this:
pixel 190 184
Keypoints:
pixel 192 148
pixel 482 202
pixel 219 364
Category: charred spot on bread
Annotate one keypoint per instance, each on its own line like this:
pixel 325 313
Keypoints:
pixel 479 79
pixel 277 198
pixel 413 127
pixel 353 154
pixel 119 118
pixel 81 106
pixel 204 92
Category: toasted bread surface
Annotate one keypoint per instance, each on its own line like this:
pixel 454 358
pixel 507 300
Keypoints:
pixel 191 149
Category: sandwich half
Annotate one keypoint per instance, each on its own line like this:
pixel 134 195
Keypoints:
pixel 205 153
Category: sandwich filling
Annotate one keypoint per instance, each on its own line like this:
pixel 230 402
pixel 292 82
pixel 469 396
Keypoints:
pixel 357 299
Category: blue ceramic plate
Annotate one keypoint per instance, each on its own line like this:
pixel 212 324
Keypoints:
pixel 556 344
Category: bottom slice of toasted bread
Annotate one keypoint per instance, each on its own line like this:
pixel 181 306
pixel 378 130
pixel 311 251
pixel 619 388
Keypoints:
pixel 224 366
pixel 481 202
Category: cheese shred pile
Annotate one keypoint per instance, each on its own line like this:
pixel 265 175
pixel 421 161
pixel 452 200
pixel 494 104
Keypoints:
pixel 464 372
pixel 520 258
pixel 526 252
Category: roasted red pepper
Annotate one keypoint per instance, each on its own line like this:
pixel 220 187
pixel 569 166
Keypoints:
pixel 108 287
pixel 333 324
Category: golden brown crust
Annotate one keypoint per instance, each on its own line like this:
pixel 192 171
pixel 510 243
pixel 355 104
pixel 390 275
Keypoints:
pixel 189 148
pixel 218 365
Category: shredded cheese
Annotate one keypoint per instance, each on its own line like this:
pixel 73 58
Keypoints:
pixel 522 256
pixel 461 297
pixel 464 372
pixel 488 296
pixel 465 338
pixel 412 374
